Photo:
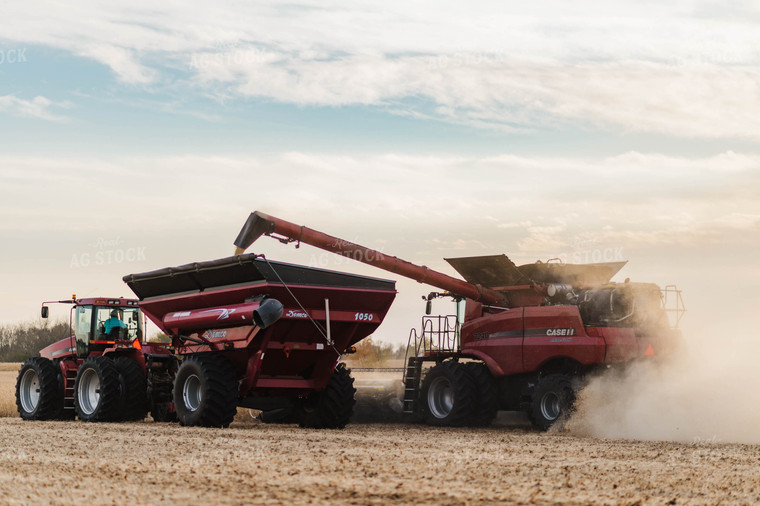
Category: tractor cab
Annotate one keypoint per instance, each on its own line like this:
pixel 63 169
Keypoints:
pixel 98 324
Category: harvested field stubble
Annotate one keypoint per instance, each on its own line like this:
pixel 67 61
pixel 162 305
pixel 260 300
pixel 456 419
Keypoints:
pixel 253 462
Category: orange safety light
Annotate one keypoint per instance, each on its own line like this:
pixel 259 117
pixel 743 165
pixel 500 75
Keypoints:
pixel 650 351
pixel 136 344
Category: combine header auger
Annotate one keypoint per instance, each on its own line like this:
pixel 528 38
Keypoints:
pixel 523 337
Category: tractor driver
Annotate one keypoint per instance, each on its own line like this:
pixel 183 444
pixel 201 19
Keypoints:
pixel 113 322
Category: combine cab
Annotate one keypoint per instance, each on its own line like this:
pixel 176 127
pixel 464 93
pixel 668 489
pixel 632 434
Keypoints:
pixel 263 335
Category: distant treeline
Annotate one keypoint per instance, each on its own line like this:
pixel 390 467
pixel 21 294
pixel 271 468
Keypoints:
pixel 376 354
pixel 24 340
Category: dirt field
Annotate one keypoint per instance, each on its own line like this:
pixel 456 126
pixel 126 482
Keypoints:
pixel 69 462
pixel 146 462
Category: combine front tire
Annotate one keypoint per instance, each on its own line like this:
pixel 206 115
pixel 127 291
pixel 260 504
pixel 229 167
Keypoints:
pixel 206 391
pixel 133 401
pixel 487 400
pixel 38 396
pixel 448 395
pixel 96 390
pixel 332 407
pixel 552 400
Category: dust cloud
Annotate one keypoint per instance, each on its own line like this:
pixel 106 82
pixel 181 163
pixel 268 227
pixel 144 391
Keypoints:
pixel 706 391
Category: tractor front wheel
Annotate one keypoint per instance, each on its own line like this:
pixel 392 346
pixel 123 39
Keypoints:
pixel 552 400
pixel 332 407
pixel 206 391
pixel 38 396
pixel 448 395
pixel 96 390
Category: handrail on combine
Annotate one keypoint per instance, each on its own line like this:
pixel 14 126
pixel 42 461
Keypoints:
pixel 439 335
pixel 672 303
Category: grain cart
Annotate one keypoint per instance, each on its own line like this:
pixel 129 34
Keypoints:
pixel 263 335
pixel 104 372
pixel 522 337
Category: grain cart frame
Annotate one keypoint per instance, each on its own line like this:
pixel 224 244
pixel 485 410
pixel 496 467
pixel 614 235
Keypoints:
pixel 94 375
pixel 263 335
pixel 523 337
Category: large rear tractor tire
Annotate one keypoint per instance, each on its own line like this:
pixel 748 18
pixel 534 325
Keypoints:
pixel 97 391
pixel 448 395
pixel 487 402
pixel 133 402
pixel 38 396
pixel 332 407
pixel 206 391
pixel 552 401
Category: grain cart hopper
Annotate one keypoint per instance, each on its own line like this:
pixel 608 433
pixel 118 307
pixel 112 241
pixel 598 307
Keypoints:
pixel 262 334
pixel 522 337
pixel 105 371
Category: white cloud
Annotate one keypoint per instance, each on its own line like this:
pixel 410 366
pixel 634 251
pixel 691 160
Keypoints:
pixel 123 62
pixel 38 107
pixel 667 68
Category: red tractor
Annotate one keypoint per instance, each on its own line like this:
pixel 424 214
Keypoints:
pixel 522 338
pixel 104 372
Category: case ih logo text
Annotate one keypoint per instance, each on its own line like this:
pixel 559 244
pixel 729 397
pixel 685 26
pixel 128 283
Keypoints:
pixel 296 314
pixel 560 332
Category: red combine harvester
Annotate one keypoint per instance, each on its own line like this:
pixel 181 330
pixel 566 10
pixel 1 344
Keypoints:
pixel 103 372
pixel 263 335
pixel 523 337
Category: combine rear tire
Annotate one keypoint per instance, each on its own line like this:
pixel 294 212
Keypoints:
pixel 96 390
pixel 332 407
pixel 38 396
pixel 133 403
pixel 552 400
pixel 487 402
pixel 206 391
pixel 448 395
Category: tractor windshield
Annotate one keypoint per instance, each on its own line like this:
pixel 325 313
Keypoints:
pixel 118 323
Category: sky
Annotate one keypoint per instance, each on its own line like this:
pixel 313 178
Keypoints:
pixel 139 137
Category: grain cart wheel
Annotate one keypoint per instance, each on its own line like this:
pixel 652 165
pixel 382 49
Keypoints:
pixel 332 407
pixel 487 394
pixel 448 395
pixel 552 400
pixel 96 390
pixel 206 391
pixel 37 394
pixel 133 402
pixel 161 403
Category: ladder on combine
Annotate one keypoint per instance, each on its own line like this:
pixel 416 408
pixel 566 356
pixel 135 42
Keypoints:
pixel 437 341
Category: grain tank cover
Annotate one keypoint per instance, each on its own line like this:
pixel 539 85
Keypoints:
pixel 247 269
pixel 498 270
pixel 489 271
pixel 572 274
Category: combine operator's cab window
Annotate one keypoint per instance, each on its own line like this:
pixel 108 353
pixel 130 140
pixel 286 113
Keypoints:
pixel 118 323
